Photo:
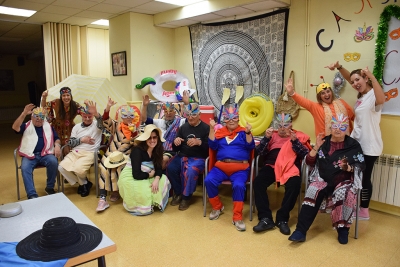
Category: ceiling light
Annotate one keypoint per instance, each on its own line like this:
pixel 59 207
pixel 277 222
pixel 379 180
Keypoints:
pixel 16 11
pixel 180 2
pixel 103 22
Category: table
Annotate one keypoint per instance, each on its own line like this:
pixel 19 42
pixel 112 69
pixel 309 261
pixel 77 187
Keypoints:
pixel 35 212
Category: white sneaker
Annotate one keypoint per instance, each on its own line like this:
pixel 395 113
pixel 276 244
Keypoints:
pixel 215 213
pixel 240 226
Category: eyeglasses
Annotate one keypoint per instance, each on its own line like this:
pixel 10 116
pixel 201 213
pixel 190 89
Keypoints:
pixel 128 116
pixel 342 127
pixel 155 137
pixel 169 111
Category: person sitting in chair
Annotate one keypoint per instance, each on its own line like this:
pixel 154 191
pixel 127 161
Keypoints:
pixel 184 169
pixel 338 162
pixel 233 145
pixel 85 138
pixel 283 149
pixel 169 125
pixel 40 146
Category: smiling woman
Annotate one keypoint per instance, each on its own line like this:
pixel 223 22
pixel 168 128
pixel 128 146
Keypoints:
pixel 326 107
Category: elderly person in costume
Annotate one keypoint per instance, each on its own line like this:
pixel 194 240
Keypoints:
pixel 338 162
pixel 40 146
pixel 85 138
pixel 368 109
pixel 233 145
pixel 169 125
pixel 284 150
pixel 61 113
pixel 123 134
pixel 326 107
pixel 184 169
pixel 141 183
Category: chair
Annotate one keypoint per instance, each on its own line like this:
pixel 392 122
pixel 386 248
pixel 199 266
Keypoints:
pixel 18 167
pixel 95 164
pixel 306 170
pixel 209 164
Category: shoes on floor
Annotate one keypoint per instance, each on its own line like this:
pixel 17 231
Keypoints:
pixel 363 214
pixel 283 227
pixel 343 235
pixel 50 191
pixel 176 200
pixel 240 226
pixel 115 196
pixel 184 205
pixel 215 213
pixel 297 236
pixel 102 205
pixel 263 225
pixel 86 189
pixel 80 189
pixel 33 196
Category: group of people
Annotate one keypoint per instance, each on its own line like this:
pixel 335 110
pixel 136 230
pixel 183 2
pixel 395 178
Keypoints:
pixel 171 153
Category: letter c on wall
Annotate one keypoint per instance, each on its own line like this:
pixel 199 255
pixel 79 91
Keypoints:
pixel 323 48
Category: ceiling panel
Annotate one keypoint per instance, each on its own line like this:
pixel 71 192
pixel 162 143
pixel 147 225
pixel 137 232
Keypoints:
pixel 74 3
pixel 130 3
pixel 61 10
pixel 109 8
pixel 78 21
pixel 5 26
pixel 42 17
pixel 157 6
pixel 207 17
pixel 94 14
pixel 23 4
pixel 233 11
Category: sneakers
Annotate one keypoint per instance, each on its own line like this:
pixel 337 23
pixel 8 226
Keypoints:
pixel 184 205
pixel 240 226
pixel 283 227
pixel 343 235
pixel 33 196
pixel 297 236
pixel 102 205
pixel 363 214
pixel 215 213
pixel 86 189
pixel 263 225
pixel 115 196
pixel 49 191
pixel 176 200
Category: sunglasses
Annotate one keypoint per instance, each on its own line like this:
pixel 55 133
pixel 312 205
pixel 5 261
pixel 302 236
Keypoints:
pixel 155 137
pixel 193 114
pixel 342 127
pixel 231 119
pixel 127 116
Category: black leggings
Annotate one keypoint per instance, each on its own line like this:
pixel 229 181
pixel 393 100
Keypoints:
pixel 366 191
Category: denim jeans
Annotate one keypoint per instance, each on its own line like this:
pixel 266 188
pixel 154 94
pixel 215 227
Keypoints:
pixel 28 165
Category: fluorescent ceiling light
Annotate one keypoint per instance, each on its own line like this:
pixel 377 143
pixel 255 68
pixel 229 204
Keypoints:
pixel 16 11
pixel 103 22
pixel 180 2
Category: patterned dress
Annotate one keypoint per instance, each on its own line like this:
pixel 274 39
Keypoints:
pixel 63 127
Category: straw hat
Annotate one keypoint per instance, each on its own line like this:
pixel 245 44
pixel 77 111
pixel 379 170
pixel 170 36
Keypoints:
pixel 115 159
pixel 147 132
pixel 59 238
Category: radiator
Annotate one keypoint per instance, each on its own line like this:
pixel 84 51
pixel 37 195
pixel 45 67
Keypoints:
pixel 10 113
pixel 386 180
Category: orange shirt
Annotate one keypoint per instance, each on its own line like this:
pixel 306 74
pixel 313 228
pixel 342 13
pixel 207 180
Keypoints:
pixel 317 111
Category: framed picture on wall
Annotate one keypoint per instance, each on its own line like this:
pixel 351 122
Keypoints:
pixel 118 60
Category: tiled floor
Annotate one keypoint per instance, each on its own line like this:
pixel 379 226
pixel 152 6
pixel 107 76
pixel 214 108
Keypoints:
pixel 186 238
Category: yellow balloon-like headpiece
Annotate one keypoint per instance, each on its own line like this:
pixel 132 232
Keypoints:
pixel 322 86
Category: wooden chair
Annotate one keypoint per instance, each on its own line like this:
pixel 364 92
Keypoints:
pixel 210 162
pixel 18 167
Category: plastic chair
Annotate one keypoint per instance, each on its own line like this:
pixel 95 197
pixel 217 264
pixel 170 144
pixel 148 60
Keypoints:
pixel 306 170
pixel 209 164
pixel 96 167
pixel 18 167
